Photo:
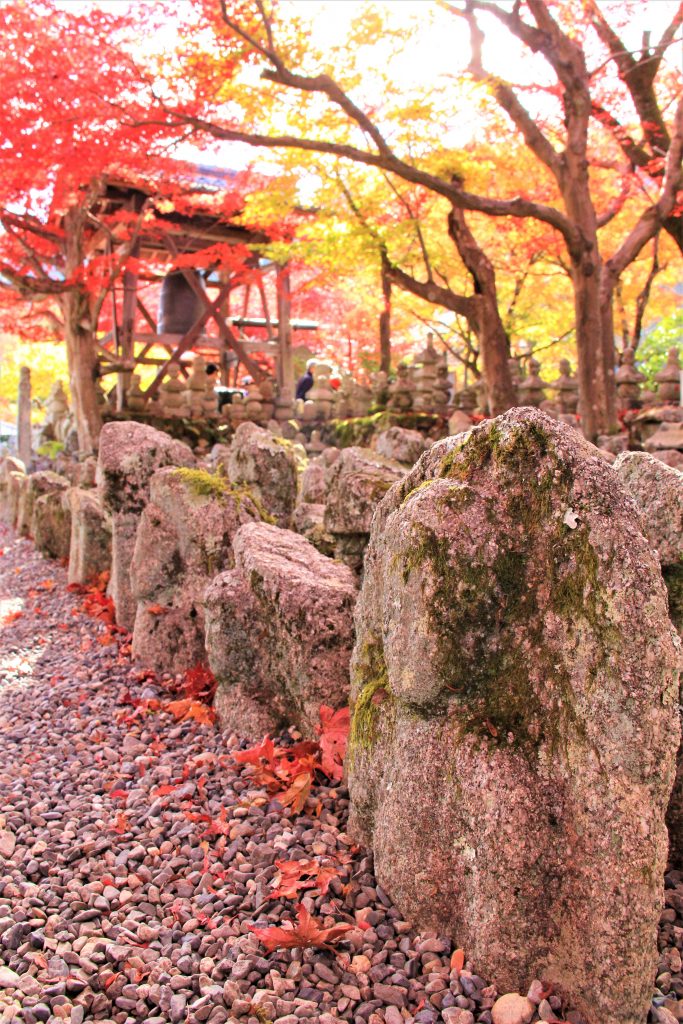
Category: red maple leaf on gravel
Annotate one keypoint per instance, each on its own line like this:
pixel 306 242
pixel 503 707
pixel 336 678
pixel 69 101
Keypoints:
pixel 307 933
pixel 334 735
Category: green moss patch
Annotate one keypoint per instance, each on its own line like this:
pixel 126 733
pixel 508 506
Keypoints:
pixel 374 695
pixel 202 483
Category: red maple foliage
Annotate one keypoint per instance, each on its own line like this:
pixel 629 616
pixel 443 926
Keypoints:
pixel 289 772
pixel 295 875
pixel 309 932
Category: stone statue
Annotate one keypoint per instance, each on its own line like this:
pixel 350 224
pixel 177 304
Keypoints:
pixel 532 388
pixel 629 382
pixel 401 391
pixel 172 394
pixel 567 387
pixel 669 379
pixel 135 396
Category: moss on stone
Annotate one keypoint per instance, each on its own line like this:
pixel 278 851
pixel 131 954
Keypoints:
pixel 372 680
pixel 360 429
pixel 494 602
pixel 201 483
pixel 406 495
pixel 293 448
pixel 242 493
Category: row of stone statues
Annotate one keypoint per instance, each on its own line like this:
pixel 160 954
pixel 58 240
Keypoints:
pixel 422 386
pixel 630 381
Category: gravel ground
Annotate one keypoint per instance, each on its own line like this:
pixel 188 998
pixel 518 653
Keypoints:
pixel 135 853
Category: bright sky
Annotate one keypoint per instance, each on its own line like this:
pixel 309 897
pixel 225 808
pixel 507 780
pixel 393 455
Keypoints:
pixel 437 47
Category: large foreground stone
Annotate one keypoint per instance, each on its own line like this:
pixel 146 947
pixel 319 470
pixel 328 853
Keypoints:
pixel 515 688
pixel 279 632
pixel 356 483
pixel 267 465
pixel 90 546
pixel 130 453
pixel 184 539
pixel 657 490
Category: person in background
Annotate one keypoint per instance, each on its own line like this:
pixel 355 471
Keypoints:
pixel 305 383
pixel 223 394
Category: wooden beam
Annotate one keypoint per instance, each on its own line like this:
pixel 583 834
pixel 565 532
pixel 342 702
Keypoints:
pixel 146 314
pixel 130 287
pixel 225 332
pixel 185 343
pixel 285 366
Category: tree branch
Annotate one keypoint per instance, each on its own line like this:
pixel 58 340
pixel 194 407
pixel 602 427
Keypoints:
pixel 652 219
pixel 431 292
pixel 321 84
pixel 507 99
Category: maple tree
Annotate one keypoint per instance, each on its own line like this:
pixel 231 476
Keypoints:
pixel 563 147
pixel 59 136
pixel 78 117
pixel 568 144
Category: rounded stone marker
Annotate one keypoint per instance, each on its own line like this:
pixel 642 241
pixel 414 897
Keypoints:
pixel 512 1009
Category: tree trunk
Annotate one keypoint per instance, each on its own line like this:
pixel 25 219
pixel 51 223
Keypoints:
pixel 385 321
pixel 80 348
pixel 594 325
pixel 592 398
pixel 80 337
pixel 486 324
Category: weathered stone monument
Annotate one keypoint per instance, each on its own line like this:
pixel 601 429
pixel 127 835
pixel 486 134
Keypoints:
pixel 279 632
pixel 90 543
pixel 43 482
pixel 12 483
pixel 404 446
pixel 515 712
pixel 267 465
pixel 184 539
pixel 51 519
pixel 356 483
pixel 129 455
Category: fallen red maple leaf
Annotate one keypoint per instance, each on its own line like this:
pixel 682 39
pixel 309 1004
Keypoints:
pixel 12 617
pixel 458 960
pixel 121 823
pixel 307 933
pixel 187 708
pixel 334 734
pixel 297 792
pixel 294 875
pixel 163 790
pixel 266 751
